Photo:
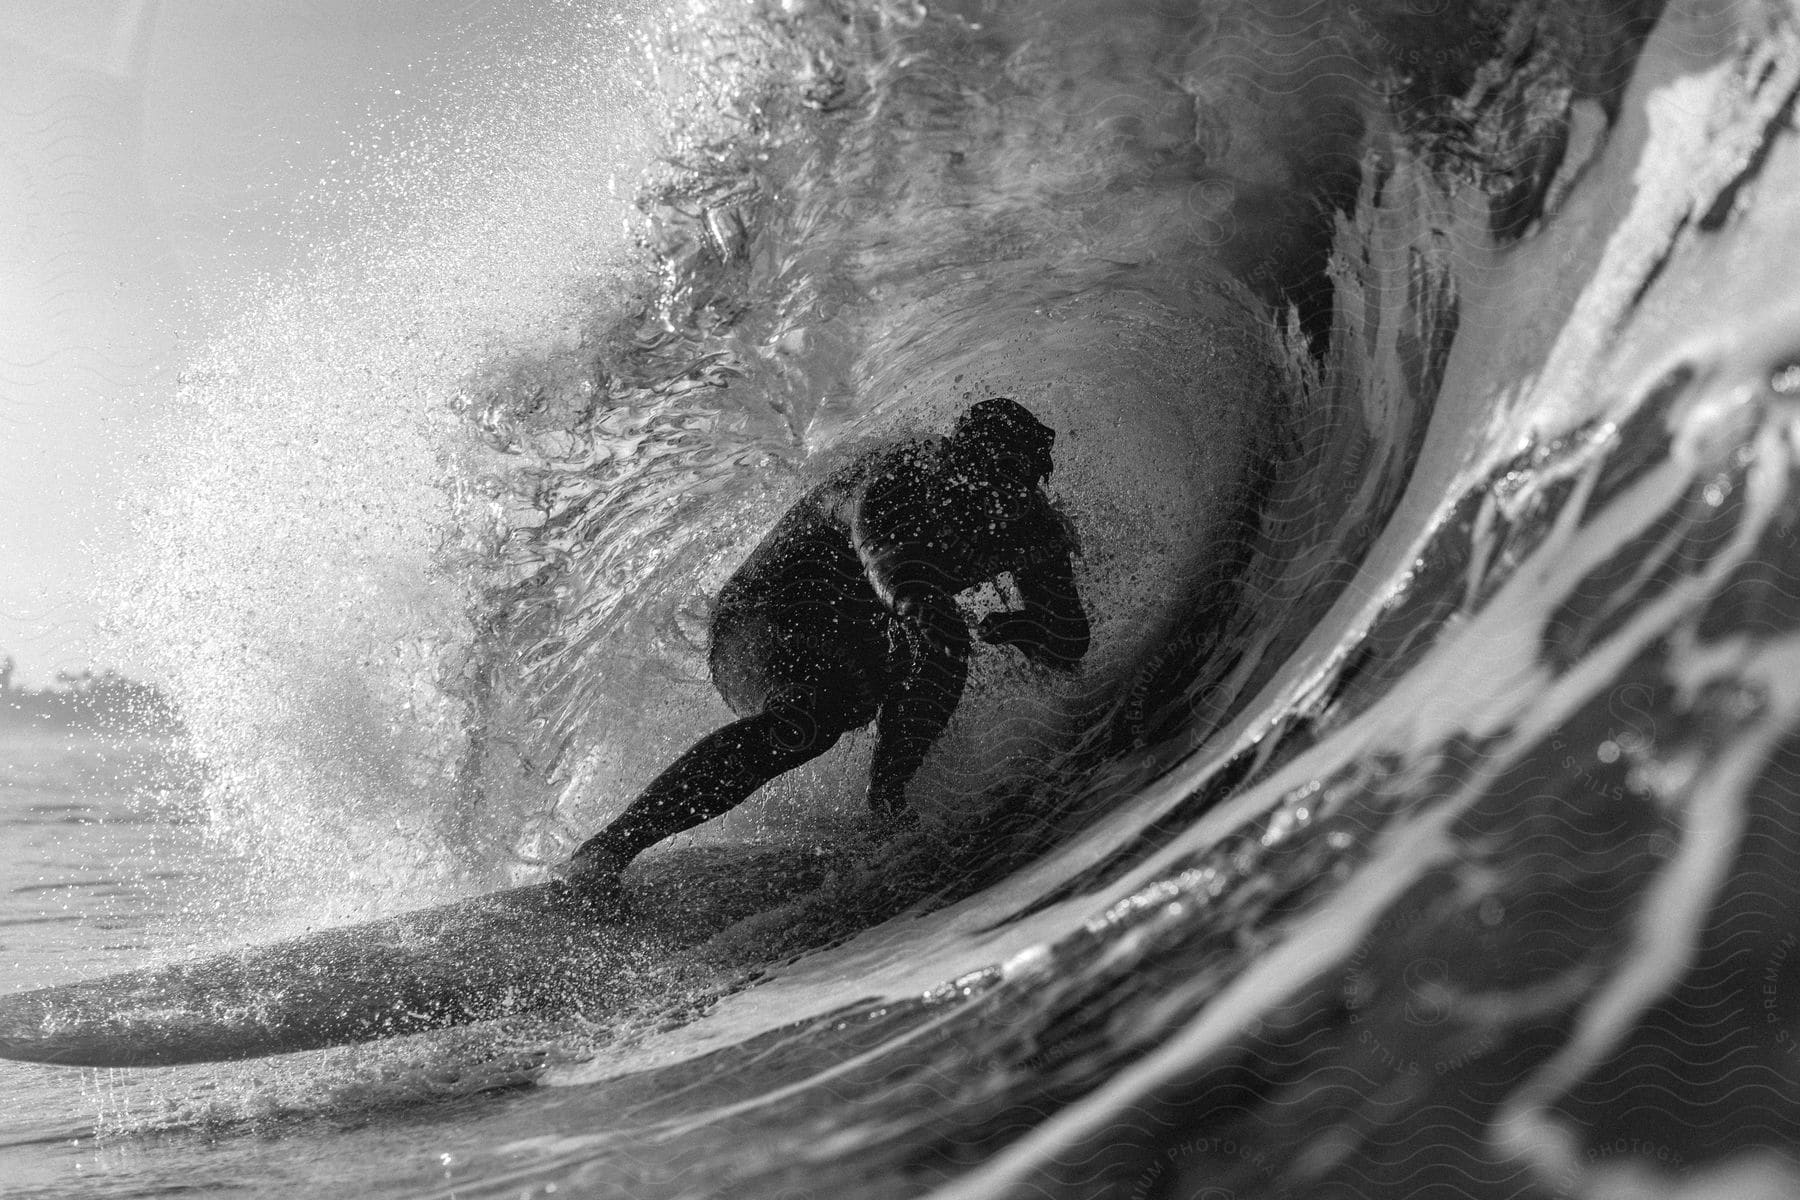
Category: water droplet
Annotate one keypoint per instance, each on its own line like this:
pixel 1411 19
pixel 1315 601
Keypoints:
pixel 1785 380
pixel 1608 751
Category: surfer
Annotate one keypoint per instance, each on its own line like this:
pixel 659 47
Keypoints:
pixel 846 613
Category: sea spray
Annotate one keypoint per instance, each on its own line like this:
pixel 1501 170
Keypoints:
pixel 304 571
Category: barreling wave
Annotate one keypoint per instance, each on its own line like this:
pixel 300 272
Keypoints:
pixel 1441 808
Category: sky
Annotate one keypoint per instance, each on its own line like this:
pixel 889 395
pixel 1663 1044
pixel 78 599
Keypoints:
pixel 157 158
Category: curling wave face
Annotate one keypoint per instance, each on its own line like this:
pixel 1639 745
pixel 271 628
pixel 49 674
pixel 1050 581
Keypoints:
pixel 1429 826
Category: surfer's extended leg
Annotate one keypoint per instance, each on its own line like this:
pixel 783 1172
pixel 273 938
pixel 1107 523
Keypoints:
pixel 716 775
pixel 915 714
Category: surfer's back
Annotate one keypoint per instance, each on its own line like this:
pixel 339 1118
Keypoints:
pixel 810 556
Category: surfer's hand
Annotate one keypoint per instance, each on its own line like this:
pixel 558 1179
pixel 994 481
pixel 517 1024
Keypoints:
pixel 934 617
pixel 1029 637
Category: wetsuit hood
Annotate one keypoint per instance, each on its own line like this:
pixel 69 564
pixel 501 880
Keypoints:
pixel 1001 429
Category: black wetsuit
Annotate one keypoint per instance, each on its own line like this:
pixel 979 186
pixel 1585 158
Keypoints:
pixel 846 613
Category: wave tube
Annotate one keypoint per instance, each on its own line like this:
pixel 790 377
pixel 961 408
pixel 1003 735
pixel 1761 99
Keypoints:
pixel 1427 828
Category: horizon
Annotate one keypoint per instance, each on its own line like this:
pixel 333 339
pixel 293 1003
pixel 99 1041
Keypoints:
pixel 13 680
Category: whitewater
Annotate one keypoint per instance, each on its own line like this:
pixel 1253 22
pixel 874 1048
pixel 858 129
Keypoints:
pixel 1425 379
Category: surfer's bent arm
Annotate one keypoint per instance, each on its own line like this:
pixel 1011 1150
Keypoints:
pixel 1051 629
pixel 891 523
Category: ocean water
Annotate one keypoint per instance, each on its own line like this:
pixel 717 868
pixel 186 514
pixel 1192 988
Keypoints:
pixel 1422 826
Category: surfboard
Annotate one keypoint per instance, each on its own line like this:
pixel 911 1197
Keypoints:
pixel 540 947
